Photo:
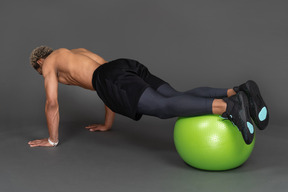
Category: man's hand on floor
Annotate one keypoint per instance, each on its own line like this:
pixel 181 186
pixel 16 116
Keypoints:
pixel 97 127
pixel 40 143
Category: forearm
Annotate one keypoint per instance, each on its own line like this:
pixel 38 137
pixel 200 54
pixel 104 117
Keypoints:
pixel 52 116
pixel 109 117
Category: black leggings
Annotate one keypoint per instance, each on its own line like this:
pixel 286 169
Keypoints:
pixel 166 102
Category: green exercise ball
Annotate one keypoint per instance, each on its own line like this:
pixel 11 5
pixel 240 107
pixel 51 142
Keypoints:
pixel 210 142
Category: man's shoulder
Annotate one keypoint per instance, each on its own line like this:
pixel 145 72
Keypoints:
pixel 50 63
pixel 61 51
pixel 58 54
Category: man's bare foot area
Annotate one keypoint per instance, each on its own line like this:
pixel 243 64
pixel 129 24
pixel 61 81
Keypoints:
pixel 230 92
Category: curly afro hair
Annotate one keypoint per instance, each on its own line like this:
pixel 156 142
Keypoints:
pixel 38 53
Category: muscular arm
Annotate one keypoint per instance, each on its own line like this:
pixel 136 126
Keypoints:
pixel 109 117
pixel 51 107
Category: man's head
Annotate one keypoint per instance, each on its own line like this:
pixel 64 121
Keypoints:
pixel 37 57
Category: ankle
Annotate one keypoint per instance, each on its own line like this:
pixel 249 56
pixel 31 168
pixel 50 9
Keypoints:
pixel 230 92
pixel 219 106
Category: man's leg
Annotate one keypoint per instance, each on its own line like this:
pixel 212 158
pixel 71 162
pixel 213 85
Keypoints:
pixel 167 90
pixel 168 102
pixel 234 108
pixel 154 104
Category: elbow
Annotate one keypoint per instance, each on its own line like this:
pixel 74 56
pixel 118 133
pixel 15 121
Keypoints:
pixel 51 104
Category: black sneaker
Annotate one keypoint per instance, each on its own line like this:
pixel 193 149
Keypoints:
pixel 257 107
pixel 237 111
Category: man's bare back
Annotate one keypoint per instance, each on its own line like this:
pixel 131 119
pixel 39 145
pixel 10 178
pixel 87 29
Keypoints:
pixel 70 67
pixel 74 67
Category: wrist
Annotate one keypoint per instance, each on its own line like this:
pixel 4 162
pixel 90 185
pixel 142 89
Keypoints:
pixel 53 142
pixel 108 126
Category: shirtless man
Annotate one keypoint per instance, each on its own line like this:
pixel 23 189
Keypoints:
pixel 128 88
pixel 70 67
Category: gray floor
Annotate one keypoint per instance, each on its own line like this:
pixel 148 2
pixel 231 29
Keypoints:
pixel 134 156
pixel 178 41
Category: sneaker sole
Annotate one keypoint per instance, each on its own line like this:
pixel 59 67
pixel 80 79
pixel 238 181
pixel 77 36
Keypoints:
pixel 258 108
pixel 248 131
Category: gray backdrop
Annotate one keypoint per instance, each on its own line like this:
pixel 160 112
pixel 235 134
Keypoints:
pixel 186 43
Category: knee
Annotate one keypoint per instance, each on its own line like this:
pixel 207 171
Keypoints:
pixel 167 90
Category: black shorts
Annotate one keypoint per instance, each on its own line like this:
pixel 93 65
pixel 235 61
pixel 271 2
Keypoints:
pixel 121 82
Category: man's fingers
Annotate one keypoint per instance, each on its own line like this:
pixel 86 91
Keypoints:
pixel 33 142
pixel 98 129
pixel 91 126
pixel 95 129
pixel 39 145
